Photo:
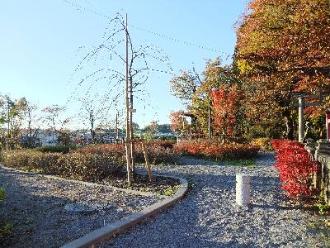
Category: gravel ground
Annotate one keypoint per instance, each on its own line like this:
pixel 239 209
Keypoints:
pixel 35 206
pixel 208 217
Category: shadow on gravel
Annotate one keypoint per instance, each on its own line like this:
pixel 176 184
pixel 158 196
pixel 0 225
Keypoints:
pixel 31 215
pixel 39 220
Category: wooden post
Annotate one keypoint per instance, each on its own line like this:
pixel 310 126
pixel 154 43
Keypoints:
pixel 146 159
pixel 117 129
pixel 209 120
pixel 327 122
pixel 128 140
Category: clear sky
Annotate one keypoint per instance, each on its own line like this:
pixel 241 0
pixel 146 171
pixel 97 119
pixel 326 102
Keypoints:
pixel 40 39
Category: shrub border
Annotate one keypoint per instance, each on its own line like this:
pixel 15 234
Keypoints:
pixel 121 226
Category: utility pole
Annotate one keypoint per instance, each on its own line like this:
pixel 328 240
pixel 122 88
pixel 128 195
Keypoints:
pixel 116 128
pixel 92 120
pixel 327 123
pixel 209 114
pixel 301 125
pixel 8 122
pixel 128 110
pixel 209 120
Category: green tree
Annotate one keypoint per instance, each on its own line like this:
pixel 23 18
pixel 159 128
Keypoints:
pixel 185 85
pixel 11 117
pixel 150 130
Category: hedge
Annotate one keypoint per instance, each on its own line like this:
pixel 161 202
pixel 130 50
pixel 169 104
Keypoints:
pixel 217 150
pixel 77 165
pixel 295 167
pixel 158 151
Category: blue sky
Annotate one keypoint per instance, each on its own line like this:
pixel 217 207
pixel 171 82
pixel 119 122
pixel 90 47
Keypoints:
pixel 40 40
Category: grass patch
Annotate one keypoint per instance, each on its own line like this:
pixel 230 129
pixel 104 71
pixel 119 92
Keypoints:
pixel 5 229
pixel 250 163
pixel 169 191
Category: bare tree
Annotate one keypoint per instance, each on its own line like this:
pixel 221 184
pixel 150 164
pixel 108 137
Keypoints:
pixel 53 119
pixel 31 119
pixel 114 55
pixel 93 113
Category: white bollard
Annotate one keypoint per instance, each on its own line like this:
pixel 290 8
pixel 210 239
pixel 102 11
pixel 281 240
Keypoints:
pixel 242 190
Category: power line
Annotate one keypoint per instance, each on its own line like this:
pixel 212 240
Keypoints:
pixel 160 35
pixel 184 42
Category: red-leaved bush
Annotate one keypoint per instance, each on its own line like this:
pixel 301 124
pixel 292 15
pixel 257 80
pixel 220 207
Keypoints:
pixel 158 151
pixel 295 167
pixel 214 149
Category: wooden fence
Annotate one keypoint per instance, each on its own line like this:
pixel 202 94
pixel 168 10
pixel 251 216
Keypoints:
pixel 321 179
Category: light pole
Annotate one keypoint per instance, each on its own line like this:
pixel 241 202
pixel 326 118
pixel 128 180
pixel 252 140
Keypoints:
pixel 301 127
pixel 328 123
pixel 209 114
pixel 209 120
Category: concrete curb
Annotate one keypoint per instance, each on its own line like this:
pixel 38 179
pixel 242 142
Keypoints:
pixel 121 226
pixel 129 191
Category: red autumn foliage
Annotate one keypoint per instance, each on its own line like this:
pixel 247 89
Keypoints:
pixel 295 167
pixel 214 149
pixel 225 103
pixel 159 151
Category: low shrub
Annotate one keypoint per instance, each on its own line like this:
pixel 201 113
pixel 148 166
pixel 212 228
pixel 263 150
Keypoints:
pixel 55 149
pixel 263 143
pixel 18 158
pixel 158 151
pixel 81 166
pixel 42 162
pixel 215 149
pixel 295 167
pixel 167 144
pixel 89 167
pixel 117 150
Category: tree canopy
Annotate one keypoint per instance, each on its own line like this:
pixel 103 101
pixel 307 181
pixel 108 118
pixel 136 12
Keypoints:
pixel 282 50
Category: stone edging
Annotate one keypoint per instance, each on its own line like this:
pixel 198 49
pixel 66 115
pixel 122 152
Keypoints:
pixel 121 226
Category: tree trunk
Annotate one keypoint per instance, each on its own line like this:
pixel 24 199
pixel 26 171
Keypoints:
pixel 146 158
pixel 128 126
pixel 289 123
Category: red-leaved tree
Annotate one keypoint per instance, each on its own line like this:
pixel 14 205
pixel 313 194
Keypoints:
pixel 226 109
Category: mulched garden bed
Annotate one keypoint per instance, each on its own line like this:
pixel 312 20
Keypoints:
pixel 159 185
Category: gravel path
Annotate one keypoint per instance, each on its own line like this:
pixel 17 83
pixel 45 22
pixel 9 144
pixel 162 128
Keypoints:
pixel 35 206
pixel 207 217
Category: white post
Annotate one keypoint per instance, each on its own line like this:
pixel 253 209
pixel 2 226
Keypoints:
pixel 242 189
pixel 301 124
pixel 327 121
